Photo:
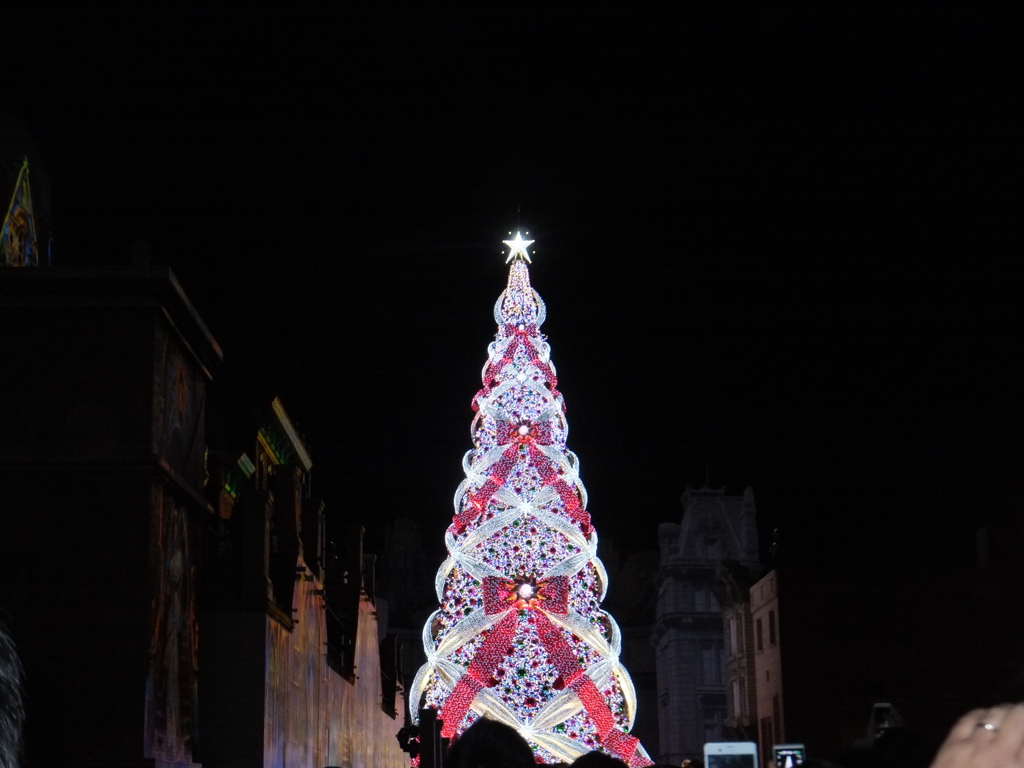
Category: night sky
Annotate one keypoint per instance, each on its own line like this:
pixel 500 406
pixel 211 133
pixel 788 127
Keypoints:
pixel 779 247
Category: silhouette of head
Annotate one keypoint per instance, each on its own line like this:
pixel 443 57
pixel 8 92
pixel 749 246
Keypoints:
pixel 597 760
pixel 489 744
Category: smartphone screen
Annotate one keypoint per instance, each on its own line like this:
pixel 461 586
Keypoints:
pixel 789 755
pixel 731 761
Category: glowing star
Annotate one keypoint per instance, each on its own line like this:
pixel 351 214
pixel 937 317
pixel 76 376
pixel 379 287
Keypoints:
pixel 517 249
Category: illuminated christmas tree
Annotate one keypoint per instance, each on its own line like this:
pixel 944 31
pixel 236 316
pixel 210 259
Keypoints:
pixel 520 636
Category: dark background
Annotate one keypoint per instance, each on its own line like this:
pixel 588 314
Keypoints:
pixel 779 246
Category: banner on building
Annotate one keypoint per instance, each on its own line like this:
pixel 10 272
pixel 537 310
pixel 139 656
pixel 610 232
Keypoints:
pixel 18 244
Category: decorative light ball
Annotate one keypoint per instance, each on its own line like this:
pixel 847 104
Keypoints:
pixel 522 327
pixel 524 430
pixel 525 591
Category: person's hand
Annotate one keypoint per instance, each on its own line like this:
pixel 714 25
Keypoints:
pixel 985 738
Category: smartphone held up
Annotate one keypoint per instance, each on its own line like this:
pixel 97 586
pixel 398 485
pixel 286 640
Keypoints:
pixel 730 754
pixel 788 755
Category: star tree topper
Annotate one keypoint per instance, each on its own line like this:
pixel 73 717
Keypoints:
pixel 517 249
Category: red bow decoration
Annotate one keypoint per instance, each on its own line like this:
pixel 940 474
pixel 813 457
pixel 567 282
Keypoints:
pixel 546 468
pixel 525 433
pixel 549 596
pixel 518 337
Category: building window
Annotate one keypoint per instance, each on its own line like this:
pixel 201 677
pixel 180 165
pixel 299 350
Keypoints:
pixel 710 663
pixel 709 545
pixel 734 650
pixel 760 641
pixel 737 700
pixel 771 627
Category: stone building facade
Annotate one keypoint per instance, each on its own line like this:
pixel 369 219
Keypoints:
pixel 293 670
pixel 733 584
pixel 172 607
pixel 764 609
pixel 688 635
pixel 103 511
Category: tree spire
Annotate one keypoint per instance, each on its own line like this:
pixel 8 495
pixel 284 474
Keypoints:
pixel 519 305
